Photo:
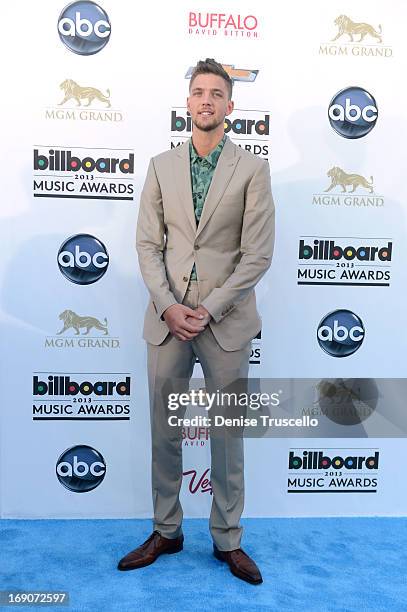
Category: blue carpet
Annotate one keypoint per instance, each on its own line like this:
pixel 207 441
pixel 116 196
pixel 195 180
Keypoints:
pixel 310 564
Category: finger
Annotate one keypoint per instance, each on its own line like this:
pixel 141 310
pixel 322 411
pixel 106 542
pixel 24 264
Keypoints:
pixel 183 338
pixel 180 338
pixel 192 313
pixel 202 321
pixel 190 335
pixel 191 327
pixel 187 335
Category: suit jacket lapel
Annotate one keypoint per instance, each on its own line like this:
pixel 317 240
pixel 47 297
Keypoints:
pixel 182 174
pixel 224 170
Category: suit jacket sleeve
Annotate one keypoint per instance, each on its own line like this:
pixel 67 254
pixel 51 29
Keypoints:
pixel 257 243
pixel 150 243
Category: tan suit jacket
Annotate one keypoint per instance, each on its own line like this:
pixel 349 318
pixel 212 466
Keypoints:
pixel 232 246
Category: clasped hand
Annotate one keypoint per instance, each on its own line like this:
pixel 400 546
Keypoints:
pixel 186 323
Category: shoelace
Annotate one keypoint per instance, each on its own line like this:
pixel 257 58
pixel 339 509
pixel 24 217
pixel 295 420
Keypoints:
pixel 150 539
pixel 239 553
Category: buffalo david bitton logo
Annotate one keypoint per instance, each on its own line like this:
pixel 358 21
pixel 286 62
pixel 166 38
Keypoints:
pixel 217 25
pixel 83 103
pixel 357 39
pixel 82 331
pixel 348 189
pixel 195 436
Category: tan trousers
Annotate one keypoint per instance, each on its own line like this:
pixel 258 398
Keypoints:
pixel 170 367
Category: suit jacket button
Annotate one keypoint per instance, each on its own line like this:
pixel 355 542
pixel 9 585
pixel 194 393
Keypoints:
pixel 185 279
pixel 197 247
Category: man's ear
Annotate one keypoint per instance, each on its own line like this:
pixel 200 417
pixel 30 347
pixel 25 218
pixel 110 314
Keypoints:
pixel 231 106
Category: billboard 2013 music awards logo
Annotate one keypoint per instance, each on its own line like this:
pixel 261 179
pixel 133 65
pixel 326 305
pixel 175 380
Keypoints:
pixel 83 102
pixel 255 355
pixel 81 397
pixel 82 331
pixel 357 262
pixel 227 25
pixel 81 172
pixel 249 129
pixel 355 38
pixel 333 470
pixel 349 190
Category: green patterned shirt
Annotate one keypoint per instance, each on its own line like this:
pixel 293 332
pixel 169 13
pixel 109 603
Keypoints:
pixel 202 169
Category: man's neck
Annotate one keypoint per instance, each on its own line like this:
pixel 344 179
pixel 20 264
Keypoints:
pixel 205 142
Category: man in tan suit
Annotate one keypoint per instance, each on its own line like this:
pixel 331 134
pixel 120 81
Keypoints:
pixel 205 237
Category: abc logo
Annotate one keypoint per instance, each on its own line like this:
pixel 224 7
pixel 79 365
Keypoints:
pixel 83 259
pixel 81 468
pixel 340 333
pixel 353 112
pixel 84 27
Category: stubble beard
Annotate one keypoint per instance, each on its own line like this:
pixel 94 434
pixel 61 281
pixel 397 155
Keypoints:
pixel 208 127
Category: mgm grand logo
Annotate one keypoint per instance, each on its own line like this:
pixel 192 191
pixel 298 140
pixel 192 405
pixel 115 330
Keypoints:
pixel 349 190
pixel 356 39
pixel 83 103
pixel 81 332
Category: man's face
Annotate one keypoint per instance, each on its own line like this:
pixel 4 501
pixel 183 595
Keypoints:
pixel 208 102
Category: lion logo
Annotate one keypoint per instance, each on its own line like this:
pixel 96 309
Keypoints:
pixel 343 179
pixel 78 93
pixel 351 28
pixel 71 319
pixel 335 393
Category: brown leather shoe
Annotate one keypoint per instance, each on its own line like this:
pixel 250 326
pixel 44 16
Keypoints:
pixel 241 565
pixel 148 552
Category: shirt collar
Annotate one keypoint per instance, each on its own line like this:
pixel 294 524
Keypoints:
pixel 212 157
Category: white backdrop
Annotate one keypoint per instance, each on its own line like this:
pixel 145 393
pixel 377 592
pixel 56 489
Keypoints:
pixel 297 70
